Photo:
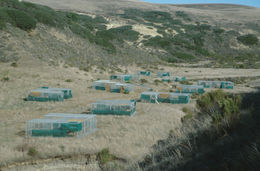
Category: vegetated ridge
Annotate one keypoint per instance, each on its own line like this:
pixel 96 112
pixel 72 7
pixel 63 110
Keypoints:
pixel 141 35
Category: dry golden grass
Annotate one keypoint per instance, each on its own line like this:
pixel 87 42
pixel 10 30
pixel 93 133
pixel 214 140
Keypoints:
pixel 126 137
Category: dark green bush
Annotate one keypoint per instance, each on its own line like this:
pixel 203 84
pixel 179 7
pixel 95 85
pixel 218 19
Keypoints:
pixel 183 15
pixel 21 19
pixel 249 39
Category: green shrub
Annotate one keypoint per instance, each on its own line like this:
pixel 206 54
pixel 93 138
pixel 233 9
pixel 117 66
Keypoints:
pixel 32 151
pixel 183 15
pixel 5 79
pixel 143 81
pixel 220 105
pixel 249 39
pixel 183 56
pixel 157 82
pixel 14 64
pixel 68 80
pixel 185 82
pixel 104 156
pixel 21 19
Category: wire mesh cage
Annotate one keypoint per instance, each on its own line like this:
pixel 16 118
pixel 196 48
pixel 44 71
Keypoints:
pixel 121 88
pixel 113 87
pixel 145 73
pixel 190 89
pixel 125 77
pixel 66 91
pixel 165 97
pixel 103 85
pixel 61 125
pixel 163 74
pixel 216 84
pixel 44 95
pixel 179 78
pixel 114 107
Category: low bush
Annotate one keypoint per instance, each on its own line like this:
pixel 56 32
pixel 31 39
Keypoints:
pixel 143 81
pixel 32 151
pixel 5 79
pixel 21 19
pixel 249 39
pixel 220 106
pixel 68 80
pixel 104 156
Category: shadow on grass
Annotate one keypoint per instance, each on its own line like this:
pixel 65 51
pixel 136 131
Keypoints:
pixel 232 148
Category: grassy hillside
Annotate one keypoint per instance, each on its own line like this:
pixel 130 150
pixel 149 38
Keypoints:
pixel 178 35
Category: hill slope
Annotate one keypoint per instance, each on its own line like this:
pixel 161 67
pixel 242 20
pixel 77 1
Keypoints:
pixel 138 32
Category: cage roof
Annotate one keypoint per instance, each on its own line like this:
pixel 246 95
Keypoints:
pixel 57 89
pixel 191 86
pixel 214 81
pixel 172 94
pixel 105 81
pixel 70 115
pixel 47 91
pixel 55 120
pixel 114 102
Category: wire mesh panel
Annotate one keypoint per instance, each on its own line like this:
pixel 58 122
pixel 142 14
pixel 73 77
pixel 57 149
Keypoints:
pixel 61 125
pixel 114 107
pixel 121 88
pixel 216 84
pixel 44 95
pixel 113 87
pixel 103 85
pixel 150 97
pixel 124 77
pixel 165 97
pixel 66 91
pixel 146 73
pixel 163 74
pixel 190 89
pixel 179 78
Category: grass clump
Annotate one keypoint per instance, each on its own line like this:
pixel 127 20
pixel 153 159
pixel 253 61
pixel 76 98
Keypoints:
pixel 188 114
pixel 32 151
pixel 105 156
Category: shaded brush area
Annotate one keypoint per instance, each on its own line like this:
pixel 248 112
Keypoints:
pixel 234 144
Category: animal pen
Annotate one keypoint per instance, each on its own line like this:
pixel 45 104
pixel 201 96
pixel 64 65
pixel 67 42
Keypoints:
pixel 190 89
pixel 125 78
pixel 173 79
pixel 216 84
pixel 165 97
pixel 66 91
pixel 44 95
pixel 179 78
pixel 146 73
pixel 121 88
pixel 61 125
pixel 114 107
pixel 113 87
pixel 163 74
